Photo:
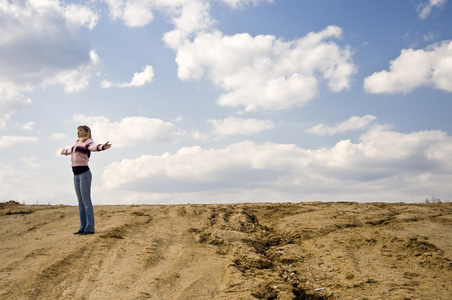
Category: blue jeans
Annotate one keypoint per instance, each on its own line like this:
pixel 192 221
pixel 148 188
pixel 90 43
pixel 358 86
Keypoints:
pixel 82 184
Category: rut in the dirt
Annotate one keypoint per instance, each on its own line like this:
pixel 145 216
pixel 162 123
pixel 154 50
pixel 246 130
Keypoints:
pixel 254 248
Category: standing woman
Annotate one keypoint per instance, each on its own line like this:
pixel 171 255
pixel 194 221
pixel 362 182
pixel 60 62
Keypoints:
pixel 80 154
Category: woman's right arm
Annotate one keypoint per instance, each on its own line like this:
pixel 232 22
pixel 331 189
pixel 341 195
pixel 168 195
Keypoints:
pixel 66 151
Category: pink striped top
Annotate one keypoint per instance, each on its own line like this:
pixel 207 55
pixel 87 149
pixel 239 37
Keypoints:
pixel 81 152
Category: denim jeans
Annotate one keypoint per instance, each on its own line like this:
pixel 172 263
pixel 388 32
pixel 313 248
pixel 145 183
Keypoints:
pixel 82 184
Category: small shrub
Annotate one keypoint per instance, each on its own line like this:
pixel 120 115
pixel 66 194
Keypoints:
pixel 435 200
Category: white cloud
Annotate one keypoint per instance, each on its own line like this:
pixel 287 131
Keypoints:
pixel 424 7
pixel 193 167
pixel 80 15
pixel 31 162
pixel 258 73
pixel 54 32
pixel 415 68
pixel 105 84
pixel 239 126
pixel 43 191
pixel 28 126
pixel 142 78
pixel 43 43
pixel 139 79
pixel 57 136
pixel 262 72
pixel 378 164
pixel 177 120
pixel 237 4
pixel 352 124
pixel 12 140
pixel 78 79
pixel 383 153
pixel 132 131
pixel 187 15
pixel 193 16
pixel 133 13
pixel 11 101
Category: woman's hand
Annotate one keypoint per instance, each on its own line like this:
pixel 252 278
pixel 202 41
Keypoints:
pixel 63 152
pixel 106 146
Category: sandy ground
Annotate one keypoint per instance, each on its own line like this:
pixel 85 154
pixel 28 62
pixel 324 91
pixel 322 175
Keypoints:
pixel 236 251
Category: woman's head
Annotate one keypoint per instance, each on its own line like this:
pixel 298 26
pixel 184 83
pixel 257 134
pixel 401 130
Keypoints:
pixel 83 132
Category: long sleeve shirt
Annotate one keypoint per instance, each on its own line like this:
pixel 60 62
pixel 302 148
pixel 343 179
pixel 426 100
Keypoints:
pixel 81 152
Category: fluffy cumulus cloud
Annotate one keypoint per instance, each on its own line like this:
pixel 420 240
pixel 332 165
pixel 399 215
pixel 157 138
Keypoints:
pixel 239 126
pixel 237 4
pixel 187 15
pixel 382 153
pixel 133 13
pixel 53 31
pixel 352 124
pixel 57 136
pixel 78 78
pixel 13 177
pixel 195 168
pixel 31 162
pixel 13 140
pixel 10 102
pixel 431 67
pixel 257 73
pixel 192 16
pixel 132 131
pixel 139 79
pixel 29 126
pixel 43 43
pixel 265 73
pixel 424 7
pixel 381 158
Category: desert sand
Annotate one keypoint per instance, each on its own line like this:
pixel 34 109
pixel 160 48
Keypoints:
pixel 228 251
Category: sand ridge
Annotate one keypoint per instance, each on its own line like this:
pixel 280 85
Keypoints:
pixel 228 251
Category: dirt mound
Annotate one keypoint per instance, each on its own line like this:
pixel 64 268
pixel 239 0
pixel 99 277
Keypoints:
pixel 236 251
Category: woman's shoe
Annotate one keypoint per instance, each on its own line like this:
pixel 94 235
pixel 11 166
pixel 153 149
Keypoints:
pixel 87 232
pixel 78 232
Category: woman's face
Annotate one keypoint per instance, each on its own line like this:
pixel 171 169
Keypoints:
pixel 81 133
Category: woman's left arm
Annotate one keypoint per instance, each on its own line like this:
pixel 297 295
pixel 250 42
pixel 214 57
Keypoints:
pixel 98 147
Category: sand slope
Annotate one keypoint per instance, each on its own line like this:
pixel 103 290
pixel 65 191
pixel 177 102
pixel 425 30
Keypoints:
pixel 237 251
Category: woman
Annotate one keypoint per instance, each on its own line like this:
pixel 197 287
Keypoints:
pixel 80 154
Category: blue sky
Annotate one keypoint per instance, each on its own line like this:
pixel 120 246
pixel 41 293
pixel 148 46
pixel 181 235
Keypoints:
pixel 226 101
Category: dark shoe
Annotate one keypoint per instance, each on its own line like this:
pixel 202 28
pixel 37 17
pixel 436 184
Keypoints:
pixel 87 232
pixel 78 232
